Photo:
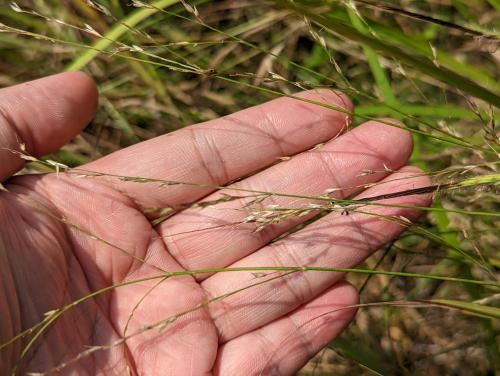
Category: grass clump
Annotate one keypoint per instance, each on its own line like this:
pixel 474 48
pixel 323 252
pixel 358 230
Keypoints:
pixel 163 65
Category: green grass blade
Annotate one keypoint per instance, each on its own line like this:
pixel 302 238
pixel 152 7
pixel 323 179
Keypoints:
pixel 373 61
pixel 421 45
pixel 420 63
pixel 470 307
pixel 117 32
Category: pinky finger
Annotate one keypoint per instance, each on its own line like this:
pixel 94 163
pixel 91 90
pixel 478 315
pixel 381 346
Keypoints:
pixel 285 345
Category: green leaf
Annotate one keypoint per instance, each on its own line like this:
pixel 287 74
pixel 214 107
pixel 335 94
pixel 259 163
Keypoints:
pixel 418 62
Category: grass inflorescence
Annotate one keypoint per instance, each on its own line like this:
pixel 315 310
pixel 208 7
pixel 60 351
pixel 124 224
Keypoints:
pixel 163 65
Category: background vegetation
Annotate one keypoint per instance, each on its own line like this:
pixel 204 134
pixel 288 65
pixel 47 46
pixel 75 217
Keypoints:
pixel 432 64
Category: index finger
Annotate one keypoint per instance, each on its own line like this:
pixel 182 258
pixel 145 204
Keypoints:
pixel 222 150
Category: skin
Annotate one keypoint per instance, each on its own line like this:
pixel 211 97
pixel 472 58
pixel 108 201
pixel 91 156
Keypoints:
pixel 273 328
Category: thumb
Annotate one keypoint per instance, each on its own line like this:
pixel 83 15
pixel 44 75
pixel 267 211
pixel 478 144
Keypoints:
pixel 43 115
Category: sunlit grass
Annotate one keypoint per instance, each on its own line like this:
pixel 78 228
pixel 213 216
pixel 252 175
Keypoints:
pixel 192 64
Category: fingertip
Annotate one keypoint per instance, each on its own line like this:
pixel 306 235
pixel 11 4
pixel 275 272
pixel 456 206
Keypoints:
pixel 67 103
pixel 43 115
pixel 389 137
pixel 347 293
pixel 343 294
pixel 82 93
pixel 328 96
pixel 87 86
pixel 399 131
pixel 48 112
pixel 340 105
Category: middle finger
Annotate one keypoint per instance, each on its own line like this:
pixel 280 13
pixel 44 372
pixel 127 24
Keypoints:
pixel 202 238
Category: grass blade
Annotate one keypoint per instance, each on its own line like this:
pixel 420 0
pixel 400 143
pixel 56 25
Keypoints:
pixel 420 63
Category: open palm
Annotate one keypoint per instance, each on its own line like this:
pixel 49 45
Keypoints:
pixel 63 236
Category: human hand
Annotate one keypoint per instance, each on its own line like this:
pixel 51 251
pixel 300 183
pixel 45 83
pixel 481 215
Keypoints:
pixel 97 235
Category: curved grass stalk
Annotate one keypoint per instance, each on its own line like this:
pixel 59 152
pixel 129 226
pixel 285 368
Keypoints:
pixel 138 304
pixel 419 230
pixel 471 308
pixel 49 320
pixel 60 311
pixel 387 249
pixel 162 324
pixel 54 315
pixel 129 318
pixel 482 311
